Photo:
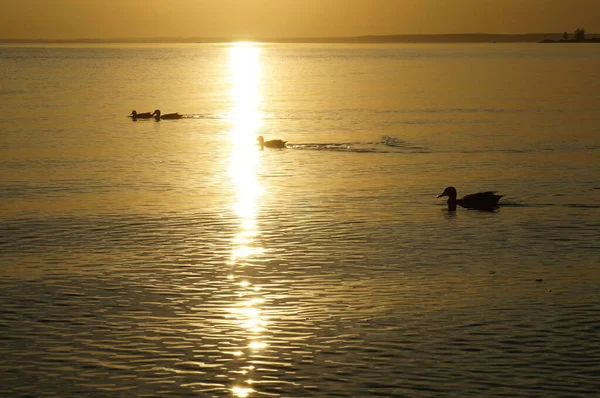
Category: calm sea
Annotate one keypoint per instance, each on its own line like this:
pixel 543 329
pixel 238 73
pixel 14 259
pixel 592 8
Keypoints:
pixel 175 259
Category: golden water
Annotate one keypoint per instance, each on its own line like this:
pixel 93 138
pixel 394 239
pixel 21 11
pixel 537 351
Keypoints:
pixel 175 258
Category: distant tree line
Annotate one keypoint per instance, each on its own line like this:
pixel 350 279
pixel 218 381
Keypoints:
pixel 579 35
pixel 576 37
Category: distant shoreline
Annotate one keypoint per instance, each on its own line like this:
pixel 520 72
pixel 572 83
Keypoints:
pixel 373 39
pixel 592 40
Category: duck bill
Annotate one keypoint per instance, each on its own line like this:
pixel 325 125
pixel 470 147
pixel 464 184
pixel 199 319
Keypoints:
pixel 440 195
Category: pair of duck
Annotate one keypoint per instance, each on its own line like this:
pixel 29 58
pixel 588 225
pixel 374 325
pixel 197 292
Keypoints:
pixel 479 201
pixel 156 115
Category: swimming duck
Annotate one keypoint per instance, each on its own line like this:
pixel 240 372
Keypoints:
pixel 134 115
pixel 157 115
pixel 271 143
pixel 480 201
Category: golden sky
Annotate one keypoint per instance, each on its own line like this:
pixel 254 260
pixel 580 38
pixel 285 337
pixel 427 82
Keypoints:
pixel 70 19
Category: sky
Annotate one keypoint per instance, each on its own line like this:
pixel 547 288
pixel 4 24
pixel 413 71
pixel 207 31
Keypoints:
pixel 239 19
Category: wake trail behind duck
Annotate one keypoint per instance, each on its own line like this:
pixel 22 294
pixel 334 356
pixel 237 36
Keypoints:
pixel 387 144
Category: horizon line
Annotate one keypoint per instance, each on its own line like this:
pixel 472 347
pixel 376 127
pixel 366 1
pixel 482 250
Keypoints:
pixel 301 39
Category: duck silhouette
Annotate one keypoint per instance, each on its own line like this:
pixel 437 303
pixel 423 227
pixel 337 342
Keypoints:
pixel 479 201
pixel 270 144
pixel 134 115
pixel 157 115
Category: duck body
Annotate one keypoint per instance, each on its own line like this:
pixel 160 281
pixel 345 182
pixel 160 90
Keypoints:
pixel 157 115
pixel 172 116
pixel 134 115
pixel 278 144
pixel 479 201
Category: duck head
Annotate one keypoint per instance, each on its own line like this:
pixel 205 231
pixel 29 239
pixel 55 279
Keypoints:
pixel 450 192
pixel 133 113
pixel 156 114
pixel 261 141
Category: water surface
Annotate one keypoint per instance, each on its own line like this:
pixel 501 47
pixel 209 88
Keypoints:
pixel 174 258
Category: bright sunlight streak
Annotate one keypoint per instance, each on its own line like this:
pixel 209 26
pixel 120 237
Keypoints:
pixel 245 162
pixel 245 73
pixel 241 392
pixel 245 92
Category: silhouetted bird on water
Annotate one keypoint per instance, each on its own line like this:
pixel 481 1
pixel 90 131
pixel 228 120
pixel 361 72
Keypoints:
pixel 157 115
pixel 480 201
pixel 271 143
pixel 134 115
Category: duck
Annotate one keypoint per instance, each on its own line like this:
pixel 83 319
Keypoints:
pixel 479 201
pixel 134 115
pixel 157 115
pixel 270 144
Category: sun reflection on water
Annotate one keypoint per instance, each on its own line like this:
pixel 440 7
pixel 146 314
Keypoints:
pixel 241 392
pixel 245 160
pixel 244 165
